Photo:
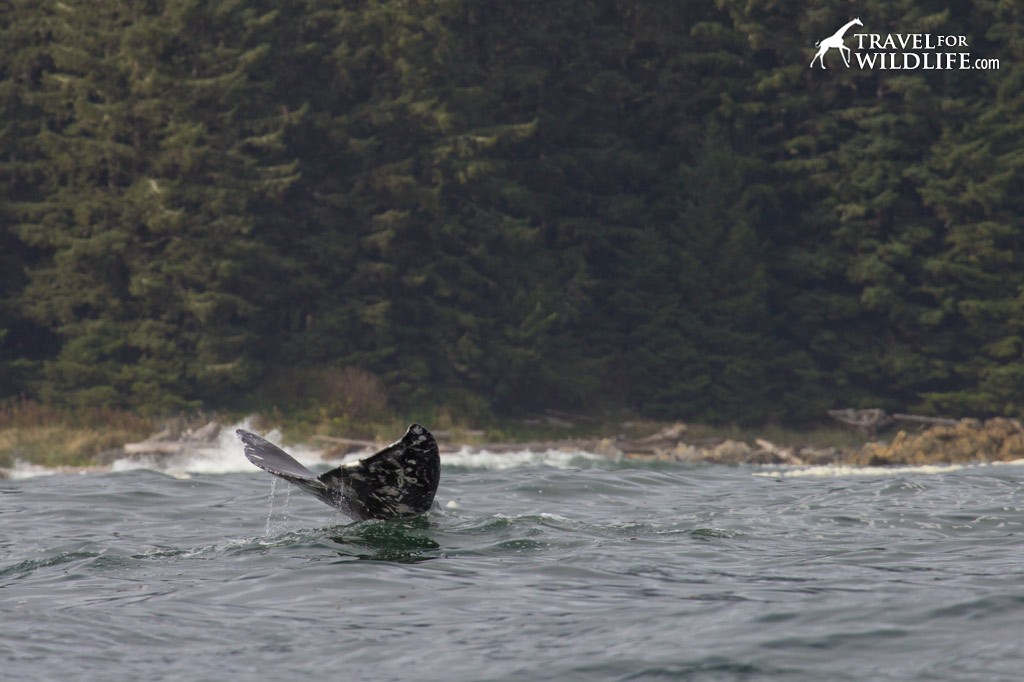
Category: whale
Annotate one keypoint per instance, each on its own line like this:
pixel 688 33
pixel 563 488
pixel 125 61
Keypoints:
pixel 397 482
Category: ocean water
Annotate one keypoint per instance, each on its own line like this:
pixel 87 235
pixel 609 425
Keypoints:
pixel 533 566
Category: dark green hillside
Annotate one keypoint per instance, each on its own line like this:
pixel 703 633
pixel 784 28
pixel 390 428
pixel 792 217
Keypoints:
pixel 500 207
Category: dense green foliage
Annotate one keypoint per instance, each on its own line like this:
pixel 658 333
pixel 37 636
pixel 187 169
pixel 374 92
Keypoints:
pixel 587 204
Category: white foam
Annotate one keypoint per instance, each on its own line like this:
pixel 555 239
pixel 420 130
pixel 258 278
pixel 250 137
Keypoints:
pixel 835 470
pixel 23 469
pixel 486 459
pixel 222 456
pixel 225 455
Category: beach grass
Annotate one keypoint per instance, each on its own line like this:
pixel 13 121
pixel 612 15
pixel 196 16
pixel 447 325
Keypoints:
pixel 47 436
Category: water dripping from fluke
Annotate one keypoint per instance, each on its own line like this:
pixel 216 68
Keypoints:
pixel 270 505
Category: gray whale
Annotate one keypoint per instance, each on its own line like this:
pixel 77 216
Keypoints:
pixel 398 481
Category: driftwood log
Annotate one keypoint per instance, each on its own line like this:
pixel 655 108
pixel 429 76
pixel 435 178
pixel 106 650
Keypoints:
pixel 930 421
pixel 870 421
pixel 355 442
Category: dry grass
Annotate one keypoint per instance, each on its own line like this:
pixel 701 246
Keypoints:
pixel 326 400
pixel 353 391
pixel 816 437
pixel 49 436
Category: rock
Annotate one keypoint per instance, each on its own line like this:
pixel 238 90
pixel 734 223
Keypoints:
pixel 968 441
pixel 1013 446
pixel 606 448
pixel 649 457
pixel 684 452
pixel 818 456
pixel 729 452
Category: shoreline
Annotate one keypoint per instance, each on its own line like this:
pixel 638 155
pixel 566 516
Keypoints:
pixel 967 441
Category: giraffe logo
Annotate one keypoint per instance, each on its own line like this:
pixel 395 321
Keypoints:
pixel 835 40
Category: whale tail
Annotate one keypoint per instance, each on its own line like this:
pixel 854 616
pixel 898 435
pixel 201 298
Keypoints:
pixel 398 481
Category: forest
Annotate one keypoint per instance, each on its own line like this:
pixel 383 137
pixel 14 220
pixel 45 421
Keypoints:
pixel 645 206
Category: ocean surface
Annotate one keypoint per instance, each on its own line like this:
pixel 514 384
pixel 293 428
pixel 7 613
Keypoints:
pixel 533 566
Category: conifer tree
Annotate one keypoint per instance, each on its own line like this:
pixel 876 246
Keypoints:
pixel 509 205
pixel 24 58
pixel 156 147
pixel 971 184
pixel 703 344
pixel 420 257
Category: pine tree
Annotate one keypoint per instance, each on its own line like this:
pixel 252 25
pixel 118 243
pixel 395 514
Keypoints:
pixel 156 147
pixel 703 344
pixel 972 184
pixel 24 58
pixel 420 256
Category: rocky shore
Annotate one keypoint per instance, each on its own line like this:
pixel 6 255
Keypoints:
pixel 967 440
pixel 962 441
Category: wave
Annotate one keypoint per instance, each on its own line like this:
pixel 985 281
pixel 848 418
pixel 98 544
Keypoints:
pixel 223 455
pixel 473 458
pixel 836 470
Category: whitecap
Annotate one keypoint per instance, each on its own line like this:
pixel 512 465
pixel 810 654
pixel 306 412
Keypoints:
pixel 836 470
pixel 472 458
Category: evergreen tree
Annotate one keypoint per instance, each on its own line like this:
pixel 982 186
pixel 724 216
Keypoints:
pixel 24 58
pixel 851 260
pixel 704 345
pixel 424 262
pixel 972 185
pixel 508 206
pixel 157 150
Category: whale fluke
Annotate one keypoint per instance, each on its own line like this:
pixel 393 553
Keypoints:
pixel 398 481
